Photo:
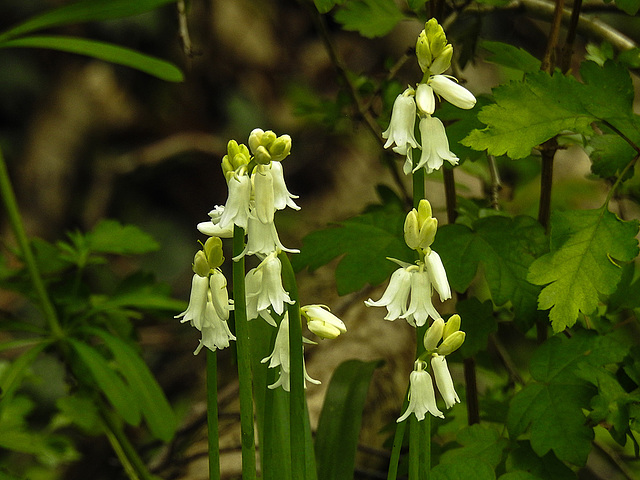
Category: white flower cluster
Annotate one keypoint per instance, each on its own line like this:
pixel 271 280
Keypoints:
pixel 408 296
pixel 257 190
pixel 434 57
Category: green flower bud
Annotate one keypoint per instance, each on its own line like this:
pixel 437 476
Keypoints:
pixel 420 227
pixel 213 252
pixel 428 233
pixel 452 325
pixel 268 138
pixel 200 264
pixel 442 62
pixel 412 230
pixel 227 167
pixel 424 210
pixel 280 148
pixel 322 322
pixel 436 37
pixel 423 51
pixel 255 139
pixel 451 343
pixel 433 335
pixel 262 155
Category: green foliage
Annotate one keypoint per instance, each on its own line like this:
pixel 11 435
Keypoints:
pixel 628 6
pixel 510 56
pixel 371 18
pixel 478 322
pixel 481 446
pixel 582 264
pixel 365 241
pixel 324 6
pixel 611 154
pixel 531 111
pixel 523 461
pixel 340 420
pixel 505 248
pixel 551 405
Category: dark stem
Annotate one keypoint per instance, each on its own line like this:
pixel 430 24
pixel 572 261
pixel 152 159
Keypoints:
pixel 548 60
pixel 548 151
pixel 567 49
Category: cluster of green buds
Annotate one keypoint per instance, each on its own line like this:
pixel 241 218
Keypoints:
pixel 444 338
pixel 237 157
pixel 209 258
pixel 420 227
pixel 267 147
pixel 433 51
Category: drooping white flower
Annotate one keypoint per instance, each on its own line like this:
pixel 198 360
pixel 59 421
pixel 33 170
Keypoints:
pixel 263 193
pixel 262 238
pixel 282 197
pixel 420 305
pixel 425 99
pixel 219 294
pixel 212 227
pixel 437 275
pixel 322 322
pixel 435 145
pixel 422 397
pixel 396 296
pixel 264 289
pixel 280 358
pixel 403 120
pixel 236 210
pixel 452 91
pixel 215 331
pixel 444 381
pixel 197 301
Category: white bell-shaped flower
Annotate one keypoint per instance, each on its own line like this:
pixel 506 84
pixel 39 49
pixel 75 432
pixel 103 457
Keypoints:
pixel 212 227
pixel 452 91
pixel 197 302
pixel 403 120
pixel 219 294
pixel 236 210
pixel 444 382
pixel 262 238
pixel 437 275
pixel 281 196
pixel 264 289
pixel 322 322
pixel 425 99
pixel 422 397
pixel 420 306
pixel 263 193
pixel 396 296
pixel 435 145
pixel 215 331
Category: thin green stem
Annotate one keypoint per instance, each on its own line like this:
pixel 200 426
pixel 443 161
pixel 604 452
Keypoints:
pixel 297 399
pixel 212 415
pixel 414 448
pixel 243 347
pixel 15 219
pixel 133 465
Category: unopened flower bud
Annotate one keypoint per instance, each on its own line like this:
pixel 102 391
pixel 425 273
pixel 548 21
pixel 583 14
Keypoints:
pixel 436 37
pixel 200 264
pixel 412 230
pixel 322 322
pixel 262 155
pixel 452 325
pixel 451 343
pixel 213 252
pixel 255 139
pixel 433 334
pixel 423 51
pixel 443 61
pixel 280 148
pixel 268 138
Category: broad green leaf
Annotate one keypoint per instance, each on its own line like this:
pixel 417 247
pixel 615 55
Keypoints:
pixel 611 153
pixel 365 241
pixel 478 323
pixel 341 418
pixel 110 236
pixel 505 247
pixel 144 388
pixel 111 384
pixel 104 51
pixel 371 18
pixel 528 113
pixel 628 6
pixel 548 467
pixel 83 11
pixel 459 123
pixel 479 443
pixel 551 405
pixel 582 264
pixel 510 56
pixel 608 90
pixel 518 475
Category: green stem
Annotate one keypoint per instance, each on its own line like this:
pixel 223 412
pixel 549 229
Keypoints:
pixel 418 179
pixel 133 465
pixel 414 447
pixel 212 415
pixel 9 198
pixel 425 447
pixel 243 347
pixel 296 398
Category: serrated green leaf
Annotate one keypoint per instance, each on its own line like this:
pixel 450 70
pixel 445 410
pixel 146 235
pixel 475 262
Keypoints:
pixel 608 90
pixel 144 388
pixel 478 323
pixel 340 420
pixel 103 51
pixel 510 56
pixel 505 247
pixel 371 18
pixel 478 443
pixel 83 11
pixel 459 123
pixel 109 382
pixel 551 406
pixel 585 246
pixel 110 236
pixel 365 241
pixel 529 112
pixel 611 154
